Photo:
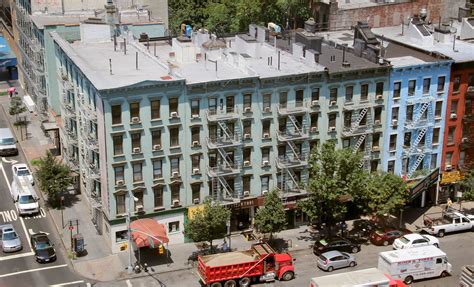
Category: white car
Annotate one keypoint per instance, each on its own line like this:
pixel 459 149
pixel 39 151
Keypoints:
pixel 22 169
pixel 415 240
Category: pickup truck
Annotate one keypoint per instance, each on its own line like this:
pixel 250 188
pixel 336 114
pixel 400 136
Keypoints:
pixel 445 222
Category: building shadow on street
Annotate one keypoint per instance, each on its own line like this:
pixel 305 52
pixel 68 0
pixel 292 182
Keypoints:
pixel 152 258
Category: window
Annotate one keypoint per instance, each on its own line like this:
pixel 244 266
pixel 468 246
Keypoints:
pixel 456 83
pixel 347 119
pixel 196 190
pixel 346 143
pixel 174 137
pixel 175 191
pixel 195 160
pixel 116 114
pixel 195 107
pixel 229 104
pixel 364 92
pixel 282 124
pixel 157 169
pixel 134 110
pixel 397 86
pixel 247 125
pixel 213 105
pixel 195 131
pixel 393 142
pixel 174 164
pixel 349 93
pixel 158 196
pixel 267 99
pixel 407 139
pixel 363 121
pixel 435 135
pixel 333 95
pixel 451 132
pixel 137 172
pixel 265 154
pixel 120 203
pixel 411 87
pixel 449 158
pixel 314 120
pixel 378 115
pixel 247 100
pixel 246 182
pixel 409 114
pixel 139 202
pixel 136 140
pixel 470 81
pixel 118 144
pixel 434 160
pixel 266 127
pixel 391 166
pixel 332 120
pixel 173 226
pixel 426 85
pixel 299 98
pixel 121 236
pixel 247 153
pixel 155 109
pixel 119 174
pixel 395 113
pixel 265 181
pixel 173 105
pixel 315 94
pixel 156 137
pixel 379 88
pixel 438 108
pixel 454 107
pixel 283 99
pixel 441 82
pixel 375 140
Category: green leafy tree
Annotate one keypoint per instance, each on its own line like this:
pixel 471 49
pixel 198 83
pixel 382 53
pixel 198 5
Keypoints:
pixel 17 107
pixel 468 186
pixel 271 218
pixel 208 223
pixel 335 177
pixel 53 177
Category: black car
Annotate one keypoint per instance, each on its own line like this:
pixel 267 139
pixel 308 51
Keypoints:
pixel 44 250
pixel 335 243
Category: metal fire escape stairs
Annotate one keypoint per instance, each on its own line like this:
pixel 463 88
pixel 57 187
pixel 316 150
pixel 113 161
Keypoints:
pixel 422 132
pixel 355 125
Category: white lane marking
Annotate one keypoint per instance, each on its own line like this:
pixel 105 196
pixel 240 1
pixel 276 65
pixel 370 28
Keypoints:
pixel 129 284
pixel 31 232
pixel 4 258
pixel 9 161
pixel 88 284
pixel 68 283
pixel 32 270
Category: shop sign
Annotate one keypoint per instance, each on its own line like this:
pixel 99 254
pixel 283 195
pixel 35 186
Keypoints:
pixel 450 177
pixel 244 203
pixel 424 184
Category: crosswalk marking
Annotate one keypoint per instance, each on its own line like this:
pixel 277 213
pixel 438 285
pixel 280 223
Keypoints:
pixel 32 270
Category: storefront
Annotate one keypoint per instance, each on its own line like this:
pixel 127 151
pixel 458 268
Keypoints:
pixel 242 214
pixel 424 191
pixel 449 186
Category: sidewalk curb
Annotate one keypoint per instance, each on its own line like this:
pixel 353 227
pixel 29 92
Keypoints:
pixel 37 187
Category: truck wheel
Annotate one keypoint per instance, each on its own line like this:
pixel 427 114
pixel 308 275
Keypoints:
pixel 244 282
pixel 408 280
pixel 441 233
pixel 385 243
pixel 216 284
pixel 230 283
pixel 444 274
pixel 287 276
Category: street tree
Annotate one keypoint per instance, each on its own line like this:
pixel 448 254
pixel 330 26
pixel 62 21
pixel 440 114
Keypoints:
pixel 271 218
pixel 335 178
pixel 208 223
pixel 17 107
pixel 54 177
pixel 467 184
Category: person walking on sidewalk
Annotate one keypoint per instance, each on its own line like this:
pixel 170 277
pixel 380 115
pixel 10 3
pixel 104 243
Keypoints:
pixel 449 203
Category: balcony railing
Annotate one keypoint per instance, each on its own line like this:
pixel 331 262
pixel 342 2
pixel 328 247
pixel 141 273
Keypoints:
pixel 292 161
pixel 224 170
pixel 299 108
pixel 293 134
pixel 230 113
pixel 224 141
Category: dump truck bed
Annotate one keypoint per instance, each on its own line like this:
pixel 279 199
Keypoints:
pixel 230 258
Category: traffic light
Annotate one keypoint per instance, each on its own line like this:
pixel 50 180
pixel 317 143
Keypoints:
pixel 161 249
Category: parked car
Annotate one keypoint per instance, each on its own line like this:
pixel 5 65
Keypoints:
pixel 335 243
pixel 331 260
pixel 44 250
pixel 386 236
pixel 414 240
pixel 10 240
pixel 21 169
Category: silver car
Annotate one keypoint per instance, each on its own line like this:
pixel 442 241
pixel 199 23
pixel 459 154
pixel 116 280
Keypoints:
pixel 331 260
pixel 9 239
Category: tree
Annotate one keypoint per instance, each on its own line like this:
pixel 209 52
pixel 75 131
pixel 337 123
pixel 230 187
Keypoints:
pixel 335 177
pixel 468 186
pixel 53 177
pixel 17 107
pixel 208 223
pixel 271 218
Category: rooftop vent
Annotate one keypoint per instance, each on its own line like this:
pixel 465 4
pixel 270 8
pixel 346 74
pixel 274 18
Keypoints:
pixel 310 25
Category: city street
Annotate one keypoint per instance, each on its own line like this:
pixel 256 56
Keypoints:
pixel 20 268
pixel 457 246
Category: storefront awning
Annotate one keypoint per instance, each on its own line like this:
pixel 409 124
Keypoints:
pixel 143 231
pixel 450 177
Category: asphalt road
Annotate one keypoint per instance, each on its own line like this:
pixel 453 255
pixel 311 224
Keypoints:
pixel 459 248
pixel 20 268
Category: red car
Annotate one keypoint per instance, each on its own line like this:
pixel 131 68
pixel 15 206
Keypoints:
pixel 387 236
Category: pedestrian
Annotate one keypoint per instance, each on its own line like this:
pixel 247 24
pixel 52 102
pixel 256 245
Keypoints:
pixel 225 247
pixel 449 203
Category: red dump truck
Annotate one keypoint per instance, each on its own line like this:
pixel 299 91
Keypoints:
pixel 241 268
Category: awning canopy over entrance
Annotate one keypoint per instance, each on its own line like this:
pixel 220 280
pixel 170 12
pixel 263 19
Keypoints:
pixel 7 58
pixel 143 231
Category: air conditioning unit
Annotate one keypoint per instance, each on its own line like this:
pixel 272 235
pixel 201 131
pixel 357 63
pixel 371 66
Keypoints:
pixel 394 122
pixel 139 207
pixel 332 129
pixel 448 167
pixel 247 163
pixel 120 182
pixel 453 116
pixel 136 150
pixel 195 170
pixel 195 116
pixel 265 163
pixel 376 148
pixel 156 147
pixel 332 103
pixel 377 122
pixel 379 97
pixel 314 103
pixel 314 129
pixel 195 143
pixel 174 114
pixel 246 193
pixel 465 140
pixel 196 200
pixel 246 136
pixel 264 192
pixel 247 109
pixel 175 174
pixel 266 135
pixel 267 109
pixel 135 120
pixel 175 202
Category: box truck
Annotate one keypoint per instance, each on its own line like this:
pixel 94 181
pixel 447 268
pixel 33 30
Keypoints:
pixel 367 277
pixel 415 263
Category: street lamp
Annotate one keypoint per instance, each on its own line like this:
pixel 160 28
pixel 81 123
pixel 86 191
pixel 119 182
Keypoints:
pixel 130 268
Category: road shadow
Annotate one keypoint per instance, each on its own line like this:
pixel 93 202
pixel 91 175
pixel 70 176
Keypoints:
pixel 68 201
pixel 152 258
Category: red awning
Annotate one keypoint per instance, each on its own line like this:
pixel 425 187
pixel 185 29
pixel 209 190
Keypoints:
pixel 141 228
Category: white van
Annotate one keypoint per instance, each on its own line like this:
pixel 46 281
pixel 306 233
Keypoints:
pixel 24 196
pixel 7 142
pixel 415 263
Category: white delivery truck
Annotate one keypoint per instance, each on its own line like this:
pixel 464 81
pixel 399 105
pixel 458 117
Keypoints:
pixel 367 277
pixel 24 196
pixel 415 263
pixel 7 142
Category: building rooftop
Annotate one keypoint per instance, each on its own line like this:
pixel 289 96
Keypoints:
pixel 358 4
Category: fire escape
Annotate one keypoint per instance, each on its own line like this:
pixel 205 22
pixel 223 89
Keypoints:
pixel 421 127
pixel 293 132
pixel 360 132
pixel 69 131
pixel 224 141
pixel 467 141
